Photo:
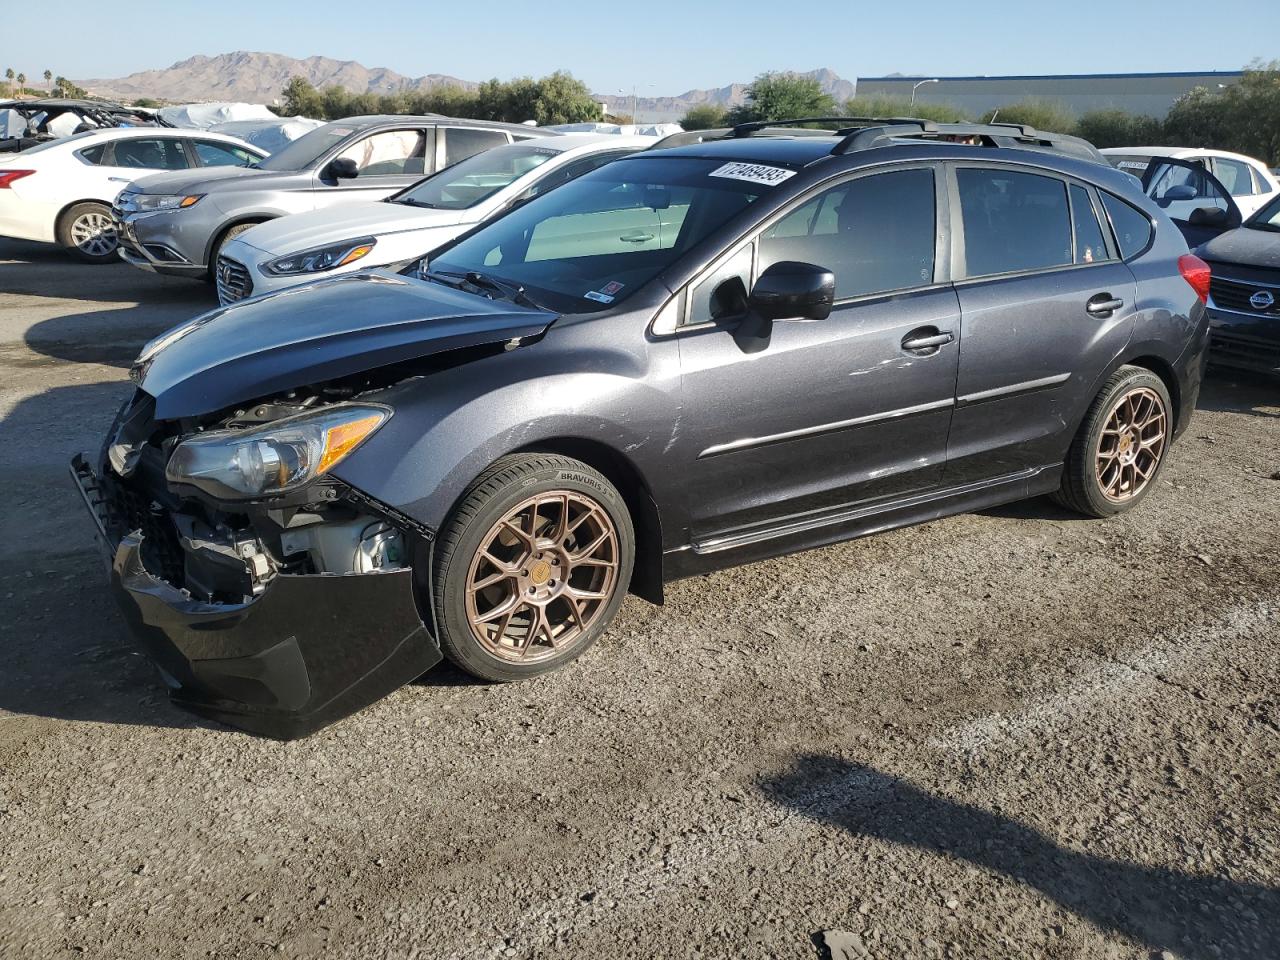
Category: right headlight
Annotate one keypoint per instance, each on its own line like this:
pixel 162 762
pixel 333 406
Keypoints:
pixel 321 258
pixel 276 457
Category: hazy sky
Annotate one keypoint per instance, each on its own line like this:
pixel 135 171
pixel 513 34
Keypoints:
pixel 673 46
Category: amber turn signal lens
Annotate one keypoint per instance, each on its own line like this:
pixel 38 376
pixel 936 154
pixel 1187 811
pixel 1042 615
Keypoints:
pixel 341 439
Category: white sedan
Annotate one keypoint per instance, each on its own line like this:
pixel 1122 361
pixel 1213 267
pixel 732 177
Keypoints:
pixel 306 246
pixel 61 191
pixel 1251 185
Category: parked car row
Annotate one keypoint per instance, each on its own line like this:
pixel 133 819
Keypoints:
pixel 742 343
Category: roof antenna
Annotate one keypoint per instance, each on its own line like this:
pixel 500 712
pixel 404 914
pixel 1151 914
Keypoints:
pixel 994 115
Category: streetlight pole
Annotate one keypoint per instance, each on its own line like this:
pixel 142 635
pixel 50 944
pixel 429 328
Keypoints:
pixel 917 86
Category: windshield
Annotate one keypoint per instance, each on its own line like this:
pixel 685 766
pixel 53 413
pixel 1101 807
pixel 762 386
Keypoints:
pixel 1268 218
pixel 596 240
pixel 476 179
pixel 308 148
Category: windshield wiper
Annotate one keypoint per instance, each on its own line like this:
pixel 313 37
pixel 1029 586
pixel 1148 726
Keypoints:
pixel 410 202
pixel 510 291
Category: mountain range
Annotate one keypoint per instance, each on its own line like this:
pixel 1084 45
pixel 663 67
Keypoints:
pixel 259 78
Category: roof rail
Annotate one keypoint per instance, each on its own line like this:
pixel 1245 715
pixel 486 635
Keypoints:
pixel 992 134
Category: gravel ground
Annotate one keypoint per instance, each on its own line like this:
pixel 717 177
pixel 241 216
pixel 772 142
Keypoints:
pixel 1011 734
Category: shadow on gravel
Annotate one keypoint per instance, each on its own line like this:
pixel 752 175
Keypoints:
pixel 1239 391
pixel 1195 917
pixel 110 337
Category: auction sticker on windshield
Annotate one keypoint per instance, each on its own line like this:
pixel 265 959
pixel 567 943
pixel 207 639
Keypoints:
pixel 753 173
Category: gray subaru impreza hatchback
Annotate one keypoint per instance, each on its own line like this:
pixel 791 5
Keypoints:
pixel 761 341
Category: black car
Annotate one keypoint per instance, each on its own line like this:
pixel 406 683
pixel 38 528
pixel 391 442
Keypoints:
pixel 693 358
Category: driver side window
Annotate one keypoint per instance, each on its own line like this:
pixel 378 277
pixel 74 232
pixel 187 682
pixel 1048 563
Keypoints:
pixel 392 153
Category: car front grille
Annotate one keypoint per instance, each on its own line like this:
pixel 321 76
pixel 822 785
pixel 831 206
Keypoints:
pixel 1241 351
pixel 234 281
pixel 1238 295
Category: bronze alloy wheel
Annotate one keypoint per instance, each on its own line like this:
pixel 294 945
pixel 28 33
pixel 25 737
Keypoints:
pixel 1131 444
pixel 542 575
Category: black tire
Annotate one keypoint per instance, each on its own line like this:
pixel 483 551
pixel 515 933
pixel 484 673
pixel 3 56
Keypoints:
pixel 1082 490
pixel 231 233
pixel 508 483
pixel 87 231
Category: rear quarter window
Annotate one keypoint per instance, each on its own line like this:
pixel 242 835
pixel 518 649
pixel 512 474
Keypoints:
pixel 92 154
pixel 1132 228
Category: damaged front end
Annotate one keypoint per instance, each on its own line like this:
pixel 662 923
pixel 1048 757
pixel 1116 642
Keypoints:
pixel 272 596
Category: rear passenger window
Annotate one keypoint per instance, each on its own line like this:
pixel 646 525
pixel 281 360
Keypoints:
pixel 1234 175
pixel 1013 221
pixel 874 233
pixel 460 143
pixel 1090 247
pixel 1131 226
pixel 92 154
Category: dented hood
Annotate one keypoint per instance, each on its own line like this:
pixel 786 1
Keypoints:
pixel 318 332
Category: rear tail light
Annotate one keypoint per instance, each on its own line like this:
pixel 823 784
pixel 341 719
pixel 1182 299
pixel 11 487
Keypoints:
pixel 8 176
pixel 1196 272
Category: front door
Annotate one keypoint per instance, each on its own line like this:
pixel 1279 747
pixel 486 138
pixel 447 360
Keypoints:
pixel 832 412
pixel 1047 304
pixel 387 161
pixel 1195 200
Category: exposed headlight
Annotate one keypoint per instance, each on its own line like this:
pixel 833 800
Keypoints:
pixel 276 457
pixel 321 258
pixel 150 202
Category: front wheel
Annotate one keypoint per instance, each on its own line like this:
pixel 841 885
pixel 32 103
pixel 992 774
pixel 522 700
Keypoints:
pixel 89 231
pixel 531 567
pixel 1120 448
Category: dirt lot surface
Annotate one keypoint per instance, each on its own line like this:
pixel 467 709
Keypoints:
pixel 1015 734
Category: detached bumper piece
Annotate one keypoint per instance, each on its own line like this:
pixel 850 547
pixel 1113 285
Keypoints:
pixel 309 650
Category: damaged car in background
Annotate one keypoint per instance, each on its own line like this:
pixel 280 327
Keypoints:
pixel 684 360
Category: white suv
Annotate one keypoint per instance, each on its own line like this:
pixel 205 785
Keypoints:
pixel 1249 182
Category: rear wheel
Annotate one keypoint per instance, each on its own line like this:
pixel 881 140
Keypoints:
pixel 89 231
pixel 531 567
pixel 1120 449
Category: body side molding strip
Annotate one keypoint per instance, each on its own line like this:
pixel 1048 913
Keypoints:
pixel 747 443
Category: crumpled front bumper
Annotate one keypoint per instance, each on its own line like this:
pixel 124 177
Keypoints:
pixel 307 651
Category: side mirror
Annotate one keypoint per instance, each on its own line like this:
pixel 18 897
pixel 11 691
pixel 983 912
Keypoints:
pixel 1183 191
pixel 790 290
pixel 343 168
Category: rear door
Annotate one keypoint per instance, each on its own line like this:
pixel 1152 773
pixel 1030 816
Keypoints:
pixel 830 413
pixel 1195 200
pixel 1046 305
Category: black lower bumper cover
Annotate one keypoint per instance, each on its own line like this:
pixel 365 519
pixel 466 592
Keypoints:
pixel 1248 343
pixel 306 652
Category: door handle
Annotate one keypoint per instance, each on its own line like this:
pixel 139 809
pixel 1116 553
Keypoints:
pixel 926 340
pixel 1103 305
pixel 636 237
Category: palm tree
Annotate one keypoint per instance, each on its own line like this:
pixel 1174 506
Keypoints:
pixel 22 83
pixel 48 79
pixel 8 75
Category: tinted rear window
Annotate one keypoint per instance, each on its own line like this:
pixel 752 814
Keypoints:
pixel 1131 226
pixel 1013 221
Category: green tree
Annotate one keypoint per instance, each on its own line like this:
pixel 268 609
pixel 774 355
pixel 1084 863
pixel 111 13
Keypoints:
pixel 705 116
pixel 1244 117
pixel 8 75
pixel 882 106
pixel 68 89
pixel 146 102
pixel 302 99
pixel 22 83
pixel 783 96
pixel 1048 115
pixel 1118 128
pixel 48 76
